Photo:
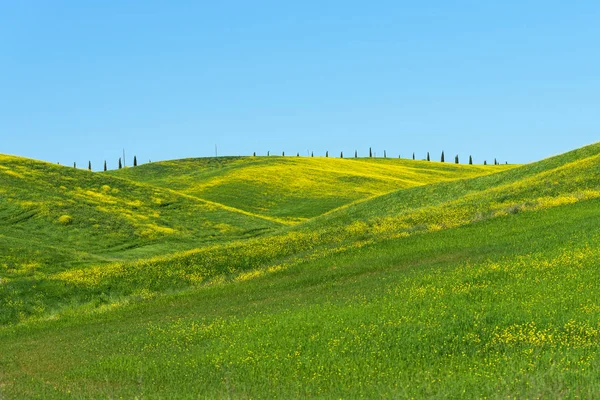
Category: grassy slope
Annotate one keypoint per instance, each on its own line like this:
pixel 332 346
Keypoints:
pixel 105 214
pixel 294 189
pixel 54 218
pixel 403 295
pixel 567 179
pixel 506 307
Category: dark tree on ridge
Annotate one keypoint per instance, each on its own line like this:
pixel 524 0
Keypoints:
pixel 428 158
pixel 120 164
pixel 443 157
pixel 134 161
pixel 370 152
pixel 89 165
pixel 104 165
pixel 470 160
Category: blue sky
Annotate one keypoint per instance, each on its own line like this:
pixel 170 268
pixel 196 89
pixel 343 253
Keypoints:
pixel 80 80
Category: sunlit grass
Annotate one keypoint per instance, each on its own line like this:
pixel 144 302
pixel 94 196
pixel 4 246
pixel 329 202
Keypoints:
pixel 461 284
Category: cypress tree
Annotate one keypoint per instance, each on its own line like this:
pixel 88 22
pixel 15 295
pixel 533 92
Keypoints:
pixel 443 157
pixel 74 165
pixel 312 153
pixel 283 154
pixel 254 155
pixel 120 165
pixel 268 153
pixel 134 161
pixel 370 153
pixel 413 156
pixel 355 153
pixel 384 154
pixel 484 162
pixel 470 160
pixel 428 158
pixel 495 162
pixel 342 154
pixel 297 154
pixel 89 165
pixel 327 154
pixel 456 159
pixel 104 165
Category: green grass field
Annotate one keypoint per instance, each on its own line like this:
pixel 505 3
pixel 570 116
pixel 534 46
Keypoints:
pixel 299 277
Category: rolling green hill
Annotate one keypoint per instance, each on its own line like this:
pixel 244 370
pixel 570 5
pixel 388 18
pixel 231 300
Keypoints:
pixel 453 281
pixel 294 189
pixel 89 215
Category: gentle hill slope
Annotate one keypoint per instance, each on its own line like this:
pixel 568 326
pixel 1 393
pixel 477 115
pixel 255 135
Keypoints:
pixel 501 306
pixel 294 189
pixel 70 215
pixel 566 179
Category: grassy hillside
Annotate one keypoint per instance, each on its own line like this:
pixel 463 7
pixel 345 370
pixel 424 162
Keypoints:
pixel 469 288
pixel 92 213
pixel 500 308
pixel 294 189
pixel 568 179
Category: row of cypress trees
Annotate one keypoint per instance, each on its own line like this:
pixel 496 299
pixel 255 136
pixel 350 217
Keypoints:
pixel 105 166
pixel 442 158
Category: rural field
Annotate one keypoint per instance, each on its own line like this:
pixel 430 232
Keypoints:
pixel 301 277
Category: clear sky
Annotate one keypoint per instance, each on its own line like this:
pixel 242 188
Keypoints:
pixel 80 80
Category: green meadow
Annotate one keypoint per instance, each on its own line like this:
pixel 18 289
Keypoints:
pixel 295 277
